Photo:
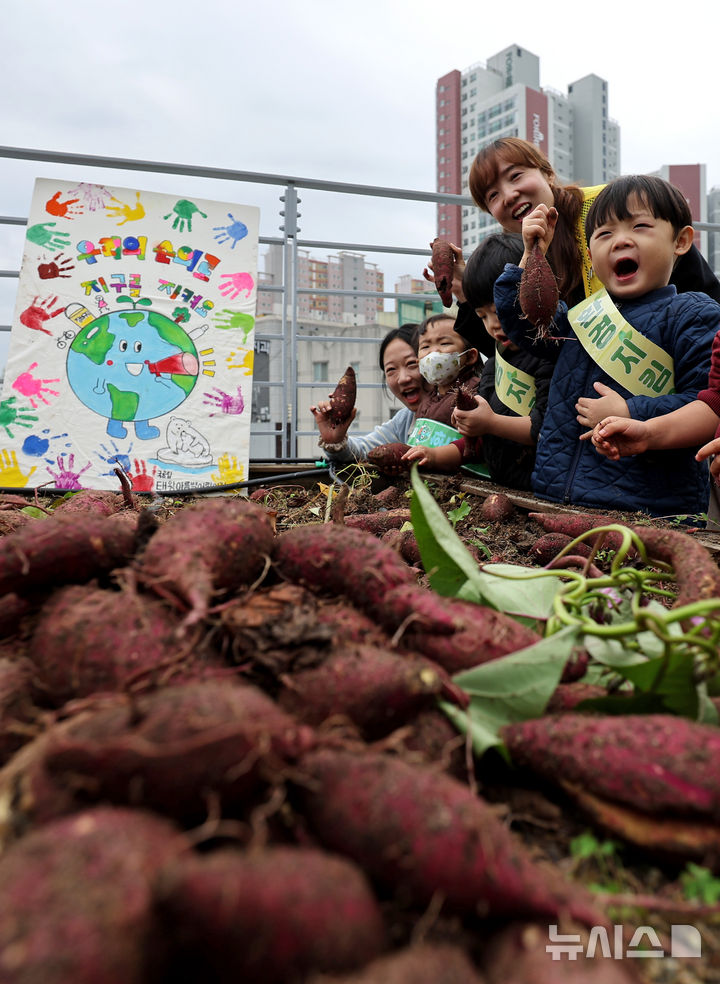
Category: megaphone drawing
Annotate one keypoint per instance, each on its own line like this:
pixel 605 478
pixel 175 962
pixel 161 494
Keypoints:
pixel 182 364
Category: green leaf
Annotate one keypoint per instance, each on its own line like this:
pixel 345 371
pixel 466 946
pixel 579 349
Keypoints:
pixel 512 688
pixel 34 512
pixel 445 558
pixel 670 677
pixel 517 590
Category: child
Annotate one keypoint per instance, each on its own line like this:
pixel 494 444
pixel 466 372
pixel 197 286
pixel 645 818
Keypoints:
pixel 512 394
pixel 647 359
pixel 447 361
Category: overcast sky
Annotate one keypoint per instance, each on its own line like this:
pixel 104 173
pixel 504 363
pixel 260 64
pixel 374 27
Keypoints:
pixel 325 89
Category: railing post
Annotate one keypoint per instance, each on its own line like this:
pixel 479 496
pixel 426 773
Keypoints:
pixel 290 231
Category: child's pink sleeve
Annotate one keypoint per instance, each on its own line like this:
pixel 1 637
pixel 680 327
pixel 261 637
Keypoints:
pixel 711 395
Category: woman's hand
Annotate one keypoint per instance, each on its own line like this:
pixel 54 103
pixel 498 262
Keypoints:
pixel 538 225
pixel 329 433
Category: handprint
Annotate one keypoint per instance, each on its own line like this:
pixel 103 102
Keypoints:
pixel 31 387
pixel 236 283
pixel 184 211
pixel 225 402
pixel 141 481
pixel 10 414
pixel 67 478
pixel 129 213
pixel 63 210
pixel 61 268
pixel 230 471
pixel 247 361
pixel 93 195
pixel 10 474
pixel 37 445
pixel 114 457
pixel 36 315
pixel 42 235
pixel 236 231
pixel 227 319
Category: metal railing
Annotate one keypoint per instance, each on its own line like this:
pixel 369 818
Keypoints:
pixel 288 336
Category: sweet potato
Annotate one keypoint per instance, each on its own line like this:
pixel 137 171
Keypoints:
pixel 538 291
pixel 62 551
pixel 268 916
pixel 547 547
pixel 427 835
pixel 497 507
pixel 376 689
pixel 91 502
pixel 656 763
pixel 88 639
pixel 387 458
pixel 431 738
pixel 465 399
pixel 424 963
pixel 19 717
pixel 342 399
pixel 334 560
pixel 12 521
pixel 76 900
pixel 379 522
pixel 211 547
pixel 405 542
pixel 443 266
pixel 171 749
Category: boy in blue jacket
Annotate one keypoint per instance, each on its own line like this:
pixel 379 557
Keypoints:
pixel 635 349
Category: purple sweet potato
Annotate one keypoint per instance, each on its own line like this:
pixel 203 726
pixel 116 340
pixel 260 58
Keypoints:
pixel 337 561
pixel 547 547
pixel 405 542
pixel 538 291
pixel 12 521
pixel 431 738
pixel 76 902
pixel 497 507
pixel 388 458
pixel 378 523
pixel 171 749
pixel 94 502
pixel 465 399
pixel 424 963
pixel 443 265
pixel 268 916
pixel 656 763
pixel 213 546
pixel 375 688
pixel 60 550
pixel 88 639
pixel 19 717
pixel 342 399
pixel 427 835
pixel 455 634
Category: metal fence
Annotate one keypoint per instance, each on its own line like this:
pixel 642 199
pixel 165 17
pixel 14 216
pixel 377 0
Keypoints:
pixel 278 438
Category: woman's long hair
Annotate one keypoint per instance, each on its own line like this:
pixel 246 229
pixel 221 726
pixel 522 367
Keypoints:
pixel 564 253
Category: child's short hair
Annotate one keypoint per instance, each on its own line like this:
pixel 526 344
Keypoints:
pixel 485 265
pixel 469 340
pixel 662 199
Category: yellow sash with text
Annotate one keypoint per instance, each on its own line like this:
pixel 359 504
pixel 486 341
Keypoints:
pixel 623 352
pixel 513 387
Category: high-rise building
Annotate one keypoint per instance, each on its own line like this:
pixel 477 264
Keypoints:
pixel 504 99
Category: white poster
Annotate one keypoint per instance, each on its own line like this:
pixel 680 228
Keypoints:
pixel 132 342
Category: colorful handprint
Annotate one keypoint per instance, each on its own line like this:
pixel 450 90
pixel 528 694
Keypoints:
pixel 42 235
pixel 29 386
pixel 56 268
pixel 66 476
pixel 236 283
pixel 63 210
pixel 236 231
pixel 37 314
pixel 95 196
pixel 12 414
pixel 230 320
pixel 140 479
pixel 230 471
pixel 125 212
pixel 183 210
pixel 224 402
pixel 11 474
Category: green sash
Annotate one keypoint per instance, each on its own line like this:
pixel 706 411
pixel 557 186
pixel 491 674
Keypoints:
pixel 513 387
pixel 623 352
pixel 431 433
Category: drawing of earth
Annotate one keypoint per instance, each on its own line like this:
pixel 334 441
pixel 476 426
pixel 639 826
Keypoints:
pixel 131 366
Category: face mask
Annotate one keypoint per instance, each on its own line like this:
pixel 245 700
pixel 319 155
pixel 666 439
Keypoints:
pixel 439 368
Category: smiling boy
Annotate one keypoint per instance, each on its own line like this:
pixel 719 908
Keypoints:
pixel 636 349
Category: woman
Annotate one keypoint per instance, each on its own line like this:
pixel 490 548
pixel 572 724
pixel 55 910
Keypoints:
pixel 399 363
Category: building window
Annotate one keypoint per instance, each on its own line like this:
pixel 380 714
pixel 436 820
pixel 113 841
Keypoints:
pixel 320 372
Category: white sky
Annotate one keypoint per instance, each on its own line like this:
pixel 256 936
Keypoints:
pixel 325 89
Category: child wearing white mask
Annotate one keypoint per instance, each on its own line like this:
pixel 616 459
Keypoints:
pixel 447 361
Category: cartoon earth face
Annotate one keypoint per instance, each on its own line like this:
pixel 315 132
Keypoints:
pixel 132 365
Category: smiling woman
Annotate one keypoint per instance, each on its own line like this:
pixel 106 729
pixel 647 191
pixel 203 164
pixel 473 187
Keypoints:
pixel 399 363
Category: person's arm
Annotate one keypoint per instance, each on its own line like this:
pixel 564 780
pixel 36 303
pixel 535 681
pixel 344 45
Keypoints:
pixel 688 426
pixel 517 328
pixel 356 448
pixel 448 457
pixel 484 420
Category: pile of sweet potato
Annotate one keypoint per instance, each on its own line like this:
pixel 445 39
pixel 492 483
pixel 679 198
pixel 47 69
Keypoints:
pixel 222 759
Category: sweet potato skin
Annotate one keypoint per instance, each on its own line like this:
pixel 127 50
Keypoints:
pixel 388 458
pixel 538 292
pixel 271 915
pixel 657 763
pixel 422 832
pixel 342 399
pixel 443 264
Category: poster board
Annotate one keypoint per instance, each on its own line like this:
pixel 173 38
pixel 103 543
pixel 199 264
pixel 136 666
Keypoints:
pixel 132 342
